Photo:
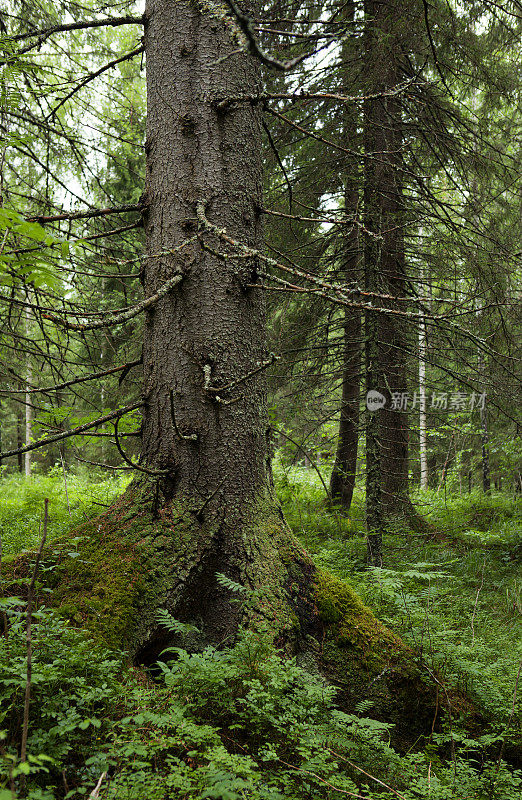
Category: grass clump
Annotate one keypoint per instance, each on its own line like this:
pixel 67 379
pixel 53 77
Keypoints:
pixel 71 501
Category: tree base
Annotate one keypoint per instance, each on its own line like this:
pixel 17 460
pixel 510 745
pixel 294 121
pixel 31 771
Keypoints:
pixel 114 574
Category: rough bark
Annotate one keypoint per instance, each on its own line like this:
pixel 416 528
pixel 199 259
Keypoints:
pixel 375 148
pixel 204 421
pixel 342 480
pixel 423 430
pixel 386 33
pixel 209 330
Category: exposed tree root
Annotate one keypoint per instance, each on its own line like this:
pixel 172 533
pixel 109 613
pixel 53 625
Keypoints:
pixel 136 559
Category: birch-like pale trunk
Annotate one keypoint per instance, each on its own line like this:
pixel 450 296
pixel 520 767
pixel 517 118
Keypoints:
pixel 28 397
pixel 423 433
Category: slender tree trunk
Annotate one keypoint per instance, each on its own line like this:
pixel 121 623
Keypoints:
pixel 19 435
pixel 28 400
pixel 342 481
pixel 423 433
pixel 486 480
pixel 394 418
pixel 375 145
pixel 387 34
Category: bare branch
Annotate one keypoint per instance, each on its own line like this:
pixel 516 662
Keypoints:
pixel 98 212
pixel 302 94
pixel 67 434
pixel 138 467
pixel 74 26
pixel 247 29
pixel 233 384
pixel 125 316
pixel 94 75
pixel 309 457
pixel 93 376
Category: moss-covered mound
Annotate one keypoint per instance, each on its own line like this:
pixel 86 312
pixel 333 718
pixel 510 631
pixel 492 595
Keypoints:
pixel 112 575
pixel 370 663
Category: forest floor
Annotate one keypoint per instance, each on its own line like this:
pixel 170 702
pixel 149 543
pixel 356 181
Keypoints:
pixel 244 723
pixel 454 594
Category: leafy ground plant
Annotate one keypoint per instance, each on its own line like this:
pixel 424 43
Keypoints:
pixel 242 722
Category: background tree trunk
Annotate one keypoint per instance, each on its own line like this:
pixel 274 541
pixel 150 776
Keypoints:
pixel 386 37
pixel 423 433
pixel 20 416
pixel 28 396
pixel 342 480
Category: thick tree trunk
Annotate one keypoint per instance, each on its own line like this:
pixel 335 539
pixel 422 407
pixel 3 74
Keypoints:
pixel 209 332
pixel 204 421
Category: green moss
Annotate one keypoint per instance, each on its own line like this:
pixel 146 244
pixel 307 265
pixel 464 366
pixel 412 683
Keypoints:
pixel 101 587
pixel 351 623
pixel 369 662
pixel 110 575
pixel 278 569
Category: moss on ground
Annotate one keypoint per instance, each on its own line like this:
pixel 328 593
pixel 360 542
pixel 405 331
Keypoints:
pixel 370 663
pixel 111 576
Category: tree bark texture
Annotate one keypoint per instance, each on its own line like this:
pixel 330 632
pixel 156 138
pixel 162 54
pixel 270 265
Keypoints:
pixel 386 33
pixel 342 481
pixel 209 331
pixel 204 421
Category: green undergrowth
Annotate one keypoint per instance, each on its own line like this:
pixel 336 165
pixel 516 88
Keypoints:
pixel 71 501
pixel 230 723
pixel 453 594
pixel 241 722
